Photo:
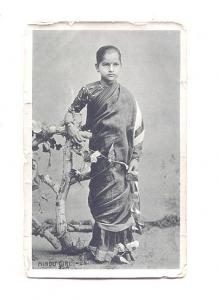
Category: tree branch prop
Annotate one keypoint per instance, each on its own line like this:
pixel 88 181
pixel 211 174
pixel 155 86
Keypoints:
pixel 43 134
pixel 48 181
pixel 39 229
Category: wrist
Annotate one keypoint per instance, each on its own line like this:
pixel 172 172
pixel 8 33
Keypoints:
pixel 69 124
pixel 135 158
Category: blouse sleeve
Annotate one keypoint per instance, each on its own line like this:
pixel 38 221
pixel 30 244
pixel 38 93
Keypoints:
pixel 80 101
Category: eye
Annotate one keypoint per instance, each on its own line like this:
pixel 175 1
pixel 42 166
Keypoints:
pixel 116 64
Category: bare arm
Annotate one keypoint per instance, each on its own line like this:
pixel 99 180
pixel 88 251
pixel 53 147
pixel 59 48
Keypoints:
pixel 69 118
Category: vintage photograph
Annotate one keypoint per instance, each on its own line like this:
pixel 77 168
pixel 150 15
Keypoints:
pixel 107 111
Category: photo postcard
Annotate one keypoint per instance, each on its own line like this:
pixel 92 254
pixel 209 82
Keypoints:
pixel 105 150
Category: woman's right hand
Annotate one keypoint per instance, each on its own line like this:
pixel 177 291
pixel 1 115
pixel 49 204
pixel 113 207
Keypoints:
pixel 74 133
pixel 77 135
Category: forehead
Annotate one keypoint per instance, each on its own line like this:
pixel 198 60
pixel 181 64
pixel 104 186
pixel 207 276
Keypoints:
pixel 111 55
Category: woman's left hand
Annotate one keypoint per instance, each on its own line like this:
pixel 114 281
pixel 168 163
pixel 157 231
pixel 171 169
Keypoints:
pixel 133 166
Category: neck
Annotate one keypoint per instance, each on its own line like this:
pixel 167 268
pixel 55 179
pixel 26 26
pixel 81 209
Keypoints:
pixel 107 83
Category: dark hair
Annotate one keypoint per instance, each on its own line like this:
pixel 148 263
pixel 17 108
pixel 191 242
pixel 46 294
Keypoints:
pixel 102 51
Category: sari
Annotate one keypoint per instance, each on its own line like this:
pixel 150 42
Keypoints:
pixel 115 121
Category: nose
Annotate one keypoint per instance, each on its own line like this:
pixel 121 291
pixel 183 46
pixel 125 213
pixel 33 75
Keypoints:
pixel 111 68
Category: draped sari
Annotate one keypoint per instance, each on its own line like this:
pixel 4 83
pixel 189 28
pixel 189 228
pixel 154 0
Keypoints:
pixel 115 121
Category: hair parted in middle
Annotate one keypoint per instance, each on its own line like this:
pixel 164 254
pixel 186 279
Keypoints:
pixel 102 51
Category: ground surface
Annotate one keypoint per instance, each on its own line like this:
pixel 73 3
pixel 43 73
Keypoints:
pixel 159 249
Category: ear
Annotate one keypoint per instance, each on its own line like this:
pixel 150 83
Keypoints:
pixel 97 67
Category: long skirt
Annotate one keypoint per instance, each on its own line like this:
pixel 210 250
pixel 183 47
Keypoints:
pixel 110 204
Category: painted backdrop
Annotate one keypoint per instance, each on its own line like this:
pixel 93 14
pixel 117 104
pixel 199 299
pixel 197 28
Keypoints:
pixel 63 61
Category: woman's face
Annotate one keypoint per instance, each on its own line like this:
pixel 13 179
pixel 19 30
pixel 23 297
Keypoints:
pixel 109 68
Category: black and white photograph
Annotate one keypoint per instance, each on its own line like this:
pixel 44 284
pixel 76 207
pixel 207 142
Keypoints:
pixel 105 113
